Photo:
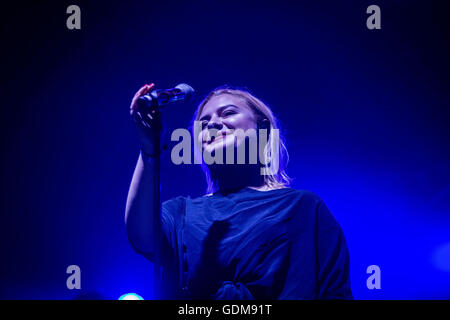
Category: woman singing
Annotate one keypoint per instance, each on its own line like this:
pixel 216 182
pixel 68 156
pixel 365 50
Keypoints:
pixel 251 236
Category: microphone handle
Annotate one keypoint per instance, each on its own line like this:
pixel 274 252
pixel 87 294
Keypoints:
pixel 159 98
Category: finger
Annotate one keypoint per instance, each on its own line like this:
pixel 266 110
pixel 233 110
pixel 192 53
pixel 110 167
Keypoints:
pixel 149 88
pixel 142 91
pixel 133 101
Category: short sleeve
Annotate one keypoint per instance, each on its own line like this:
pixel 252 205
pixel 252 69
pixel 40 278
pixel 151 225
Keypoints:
pixel 171 214
pixel 171 210
pixel 333 261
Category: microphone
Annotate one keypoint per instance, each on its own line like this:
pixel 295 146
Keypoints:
pixel 159 98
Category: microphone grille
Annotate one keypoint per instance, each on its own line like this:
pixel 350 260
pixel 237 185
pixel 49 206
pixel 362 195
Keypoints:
pixel 187 90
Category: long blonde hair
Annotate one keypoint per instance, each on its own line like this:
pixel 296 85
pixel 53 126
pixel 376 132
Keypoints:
pixel 262 112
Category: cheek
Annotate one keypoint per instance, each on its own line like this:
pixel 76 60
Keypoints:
pixel 240 121
pixel 203 136
pixel 200 136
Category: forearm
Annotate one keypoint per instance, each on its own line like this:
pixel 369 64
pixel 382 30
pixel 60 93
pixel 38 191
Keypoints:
pixel 139 215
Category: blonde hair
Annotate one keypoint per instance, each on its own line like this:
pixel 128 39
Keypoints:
pixel 262 113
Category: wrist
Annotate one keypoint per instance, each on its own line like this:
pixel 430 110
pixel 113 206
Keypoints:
pixel 153 153
pixel 147 155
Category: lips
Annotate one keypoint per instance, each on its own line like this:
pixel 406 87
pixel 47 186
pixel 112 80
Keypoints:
pixel 218 137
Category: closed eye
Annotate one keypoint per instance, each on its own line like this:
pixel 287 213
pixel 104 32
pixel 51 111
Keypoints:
pixel 228 112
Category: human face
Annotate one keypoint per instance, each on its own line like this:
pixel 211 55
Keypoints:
pixel 220 117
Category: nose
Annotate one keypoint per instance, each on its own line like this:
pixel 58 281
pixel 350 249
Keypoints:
pixel 215 123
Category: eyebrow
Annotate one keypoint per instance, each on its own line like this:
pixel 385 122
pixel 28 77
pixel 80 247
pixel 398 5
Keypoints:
pixel 219 110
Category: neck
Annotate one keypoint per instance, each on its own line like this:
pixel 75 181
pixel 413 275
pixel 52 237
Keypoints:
pixel 228 178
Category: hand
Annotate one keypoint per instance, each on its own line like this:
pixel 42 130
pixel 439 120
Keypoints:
pixel 147 121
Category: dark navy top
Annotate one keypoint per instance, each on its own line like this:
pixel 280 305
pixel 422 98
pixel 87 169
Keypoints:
pixel 249 244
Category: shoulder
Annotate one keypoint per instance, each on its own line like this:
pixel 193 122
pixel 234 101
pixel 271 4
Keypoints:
pixel 316 204
pixel 180 202
pixel 174 206
pixel 310 207
pixel 305 197
pixel 313 215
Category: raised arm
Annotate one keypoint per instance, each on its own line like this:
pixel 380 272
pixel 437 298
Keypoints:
pixel 139 212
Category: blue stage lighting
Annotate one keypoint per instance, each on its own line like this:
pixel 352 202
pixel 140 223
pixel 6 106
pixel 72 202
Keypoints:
pixel 130 296
pixel 441 257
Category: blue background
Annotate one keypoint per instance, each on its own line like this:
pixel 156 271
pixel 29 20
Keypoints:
pixel 364 112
